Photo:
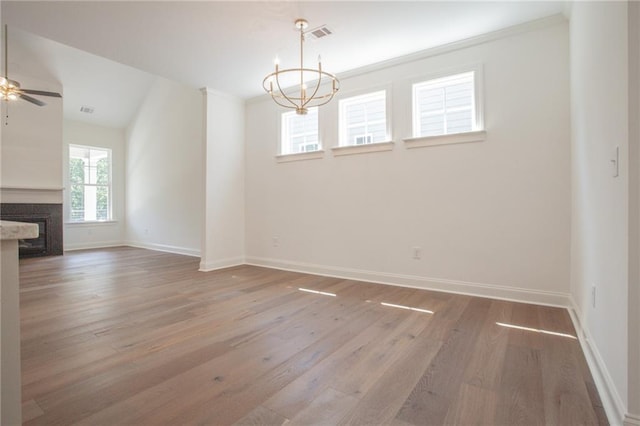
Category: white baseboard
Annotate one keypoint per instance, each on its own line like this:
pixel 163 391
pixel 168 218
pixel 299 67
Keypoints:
pixel 631 420
pixel 93 245
pixel 221 264
pixel 611 401
pixel 438 284
pixel 163 247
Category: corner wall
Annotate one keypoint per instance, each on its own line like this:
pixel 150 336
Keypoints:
pixel 490 218
pixel 164 170
pixel 224 168
pixel 600 201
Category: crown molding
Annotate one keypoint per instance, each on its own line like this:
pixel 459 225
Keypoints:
pixel 525 27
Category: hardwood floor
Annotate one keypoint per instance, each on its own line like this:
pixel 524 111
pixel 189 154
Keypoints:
pixel 128 336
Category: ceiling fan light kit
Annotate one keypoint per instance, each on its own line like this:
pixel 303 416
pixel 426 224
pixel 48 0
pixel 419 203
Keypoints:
pixel 299 96
pixel 9 89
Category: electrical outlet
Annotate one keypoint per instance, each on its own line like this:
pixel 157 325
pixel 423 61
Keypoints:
pixel 275 241
pixel 417 253
pixel 593 296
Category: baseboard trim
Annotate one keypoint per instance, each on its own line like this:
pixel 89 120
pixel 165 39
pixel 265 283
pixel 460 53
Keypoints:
pixel 631 420
pixel 426 283
pixel 611 401
pixel 163 247
pixel 221 264
pixel 93 245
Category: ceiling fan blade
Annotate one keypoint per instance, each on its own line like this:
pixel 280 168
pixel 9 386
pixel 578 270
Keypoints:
pixel 32 100
pixel 42 93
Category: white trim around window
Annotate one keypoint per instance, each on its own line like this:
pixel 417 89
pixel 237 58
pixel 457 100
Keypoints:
pixel 90 183
pixel 369 142
pixel 474 131
pixel 300 156
pixel 466 137
pixel 299 134
pixel 370 128
pixel 362 149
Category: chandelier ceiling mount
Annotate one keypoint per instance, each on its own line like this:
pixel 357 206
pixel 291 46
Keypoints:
pixel 288 87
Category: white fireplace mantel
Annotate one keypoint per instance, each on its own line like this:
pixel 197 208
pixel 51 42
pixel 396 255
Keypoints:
pixel 32 188
pixel 31 194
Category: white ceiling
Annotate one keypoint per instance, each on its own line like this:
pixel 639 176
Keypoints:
pixel 113 90
pixel 230 46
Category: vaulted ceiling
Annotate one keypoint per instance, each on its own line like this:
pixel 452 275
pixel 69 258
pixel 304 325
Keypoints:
pixel 230 46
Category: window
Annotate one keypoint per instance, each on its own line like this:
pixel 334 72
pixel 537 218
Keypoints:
pixel 90 183
pixel 364 139
pixel 445 106
pixel 300 132
pixel 363 119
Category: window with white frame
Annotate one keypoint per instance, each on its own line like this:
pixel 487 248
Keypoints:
pixel 444 106
pixel 89 183
pixel 300 132
pixel 363 119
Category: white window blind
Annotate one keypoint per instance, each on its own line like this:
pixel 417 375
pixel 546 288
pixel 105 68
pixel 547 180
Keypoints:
pixel 363 119
pixel 444 106
pixel 300 132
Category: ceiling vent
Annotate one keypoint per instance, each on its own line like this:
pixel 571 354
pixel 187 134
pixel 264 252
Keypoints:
pixel 86 109
pixel 319 32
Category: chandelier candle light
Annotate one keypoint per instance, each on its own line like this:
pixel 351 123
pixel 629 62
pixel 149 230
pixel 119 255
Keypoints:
pixel 296 97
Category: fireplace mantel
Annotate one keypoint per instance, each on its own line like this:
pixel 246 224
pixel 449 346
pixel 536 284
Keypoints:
pixel 32 188
pixel 31 194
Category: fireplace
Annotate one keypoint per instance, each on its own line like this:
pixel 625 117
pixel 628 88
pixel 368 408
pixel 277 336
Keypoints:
pixel 48 217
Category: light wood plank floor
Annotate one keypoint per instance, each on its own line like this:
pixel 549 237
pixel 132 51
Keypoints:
pixel 127 336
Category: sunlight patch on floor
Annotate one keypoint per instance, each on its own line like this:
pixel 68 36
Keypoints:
pixel 536 330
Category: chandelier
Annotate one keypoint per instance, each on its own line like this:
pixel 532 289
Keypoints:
pixel 296 94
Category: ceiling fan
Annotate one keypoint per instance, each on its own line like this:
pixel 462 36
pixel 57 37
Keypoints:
pixel 10 90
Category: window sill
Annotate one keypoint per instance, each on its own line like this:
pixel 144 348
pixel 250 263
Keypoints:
pixel 362 149
pixel 93 223
pixel 467 137
pixel 300 156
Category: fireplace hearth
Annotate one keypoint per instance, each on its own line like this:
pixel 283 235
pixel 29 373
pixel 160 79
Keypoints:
pixel 48 217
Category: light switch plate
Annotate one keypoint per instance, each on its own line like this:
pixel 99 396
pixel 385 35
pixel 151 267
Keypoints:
pixel 615 162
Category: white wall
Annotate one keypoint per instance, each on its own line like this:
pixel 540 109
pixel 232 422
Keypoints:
pixel 32 136
pixel 32 146
pixel 600 122
pixel 164 170
pixel 223 243
pixel 103 234
pixel 490 217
